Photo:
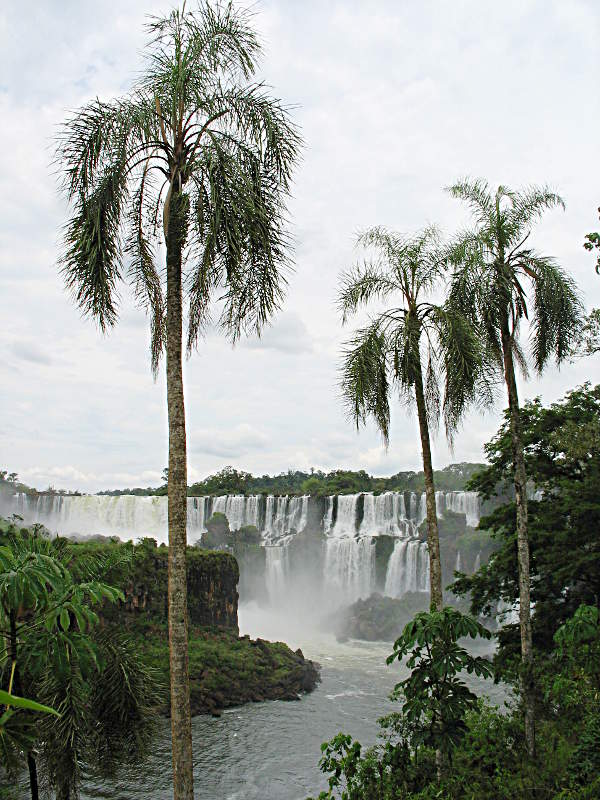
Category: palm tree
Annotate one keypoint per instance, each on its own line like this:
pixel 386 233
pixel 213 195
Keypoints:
pixel 409 349
pixel 493 266
pixel 199 154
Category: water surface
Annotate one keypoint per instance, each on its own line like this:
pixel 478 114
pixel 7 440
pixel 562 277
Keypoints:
pixel 270 751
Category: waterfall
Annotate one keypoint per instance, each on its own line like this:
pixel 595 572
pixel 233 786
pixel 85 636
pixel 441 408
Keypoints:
pixel 349 570
pixel 414 508
pixel 466 503
pixel 477 564
pixel 424 573
pixel 277 568
pixel 385 515
pixel 239 509
pixel 396 570
pixel 284 514
pixel 458 565
pixel 422 509
pixel 408 568
pixel 345 523
pixel 350 523
pixel 199 511
pixel 440 498
pixel 328 518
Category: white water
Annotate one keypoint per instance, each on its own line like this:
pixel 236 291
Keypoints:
pixel 277 568
pixel 385 515
pixel 351 524
pixel 132 516
pixel 270 751
pixel 408 568
pixel 284 515
pixel 349 571
pixel 345 523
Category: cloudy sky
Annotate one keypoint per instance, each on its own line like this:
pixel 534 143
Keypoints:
pixel 395 100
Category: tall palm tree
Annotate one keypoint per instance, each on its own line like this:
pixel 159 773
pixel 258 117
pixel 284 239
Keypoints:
pixel 494 264
pixel 200 155
pixel 409 349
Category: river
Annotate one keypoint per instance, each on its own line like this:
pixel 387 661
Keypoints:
pixel 270 751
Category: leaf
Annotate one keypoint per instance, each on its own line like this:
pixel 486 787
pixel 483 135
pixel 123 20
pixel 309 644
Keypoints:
pixel 22 702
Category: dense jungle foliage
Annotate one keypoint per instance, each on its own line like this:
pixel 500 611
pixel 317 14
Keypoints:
pixel 446 743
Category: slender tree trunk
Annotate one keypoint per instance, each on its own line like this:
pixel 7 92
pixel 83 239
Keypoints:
pixel 433 539
pixel 520 482
pixel 18 690
pixel 181 723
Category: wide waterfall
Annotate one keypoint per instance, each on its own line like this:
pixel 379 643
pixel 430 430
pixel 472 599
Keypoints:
pixel 324 550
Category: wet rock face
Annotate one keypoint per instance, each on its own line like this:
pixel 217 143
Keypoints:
pixel 212 579
pixel 212 590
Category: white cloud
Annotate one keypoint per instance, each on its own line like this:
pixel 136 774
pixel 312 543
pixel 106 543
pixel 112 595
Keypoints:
pixel 393 103
pixel 30 351
pixel 233 442
pixel 288 334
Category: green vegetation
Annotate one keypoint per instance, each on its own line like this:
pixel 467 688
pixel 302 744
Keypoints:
pixel 493 265
pixel 316 482
pixel 52 645
pixel 562 454
pixel 226 670
pixel 592 242
pixel 446 744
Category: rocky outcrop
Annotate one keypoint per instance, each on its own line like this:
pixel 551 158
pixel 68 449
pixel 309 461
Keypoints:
pixel 377 618
pixel 225 669
pixel 212 579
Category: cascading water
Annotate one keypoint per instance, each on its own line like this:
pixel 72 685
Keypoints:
pixel 284 514
pixel 466 503
pixel 408 568
pixel 346 520
pixel 349 569
pixel 351 525
pixel 385 515
pixel 276 560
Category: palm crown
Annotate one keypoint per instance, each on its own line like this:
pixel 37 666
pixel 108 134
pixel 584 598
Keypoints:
pixel 390 352
pixel 195 120
pixel 493 264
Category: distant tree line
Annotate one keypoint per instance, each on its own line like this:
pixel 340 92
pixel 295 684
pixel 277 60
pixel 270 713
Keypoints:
pixel 230 480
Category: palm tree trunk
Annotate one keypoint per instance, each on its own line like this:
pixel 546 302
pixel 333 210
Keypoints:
pixel 520 482
pixel 181 723
pixel 433 539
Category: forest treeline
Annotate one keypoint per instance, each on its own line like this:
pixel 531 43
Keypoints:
pixel 230 480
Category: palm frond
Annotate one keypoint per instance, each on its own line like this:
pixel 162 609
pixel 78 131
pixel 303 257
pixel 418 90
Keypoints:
pixel 242 242
pixel 558 311
pixel 363 283
pixel 477 195
pixel 528 207
pixel 142 270
pixel 92 260
pixel 364 381
pixel 462 356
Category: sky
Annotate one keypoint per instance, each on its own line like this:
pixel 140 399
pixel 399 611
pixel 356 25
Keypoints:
pixel 395 101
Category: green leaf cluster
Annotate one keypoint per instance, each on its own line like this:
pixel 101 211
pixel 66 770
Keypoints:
pixel 51 643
